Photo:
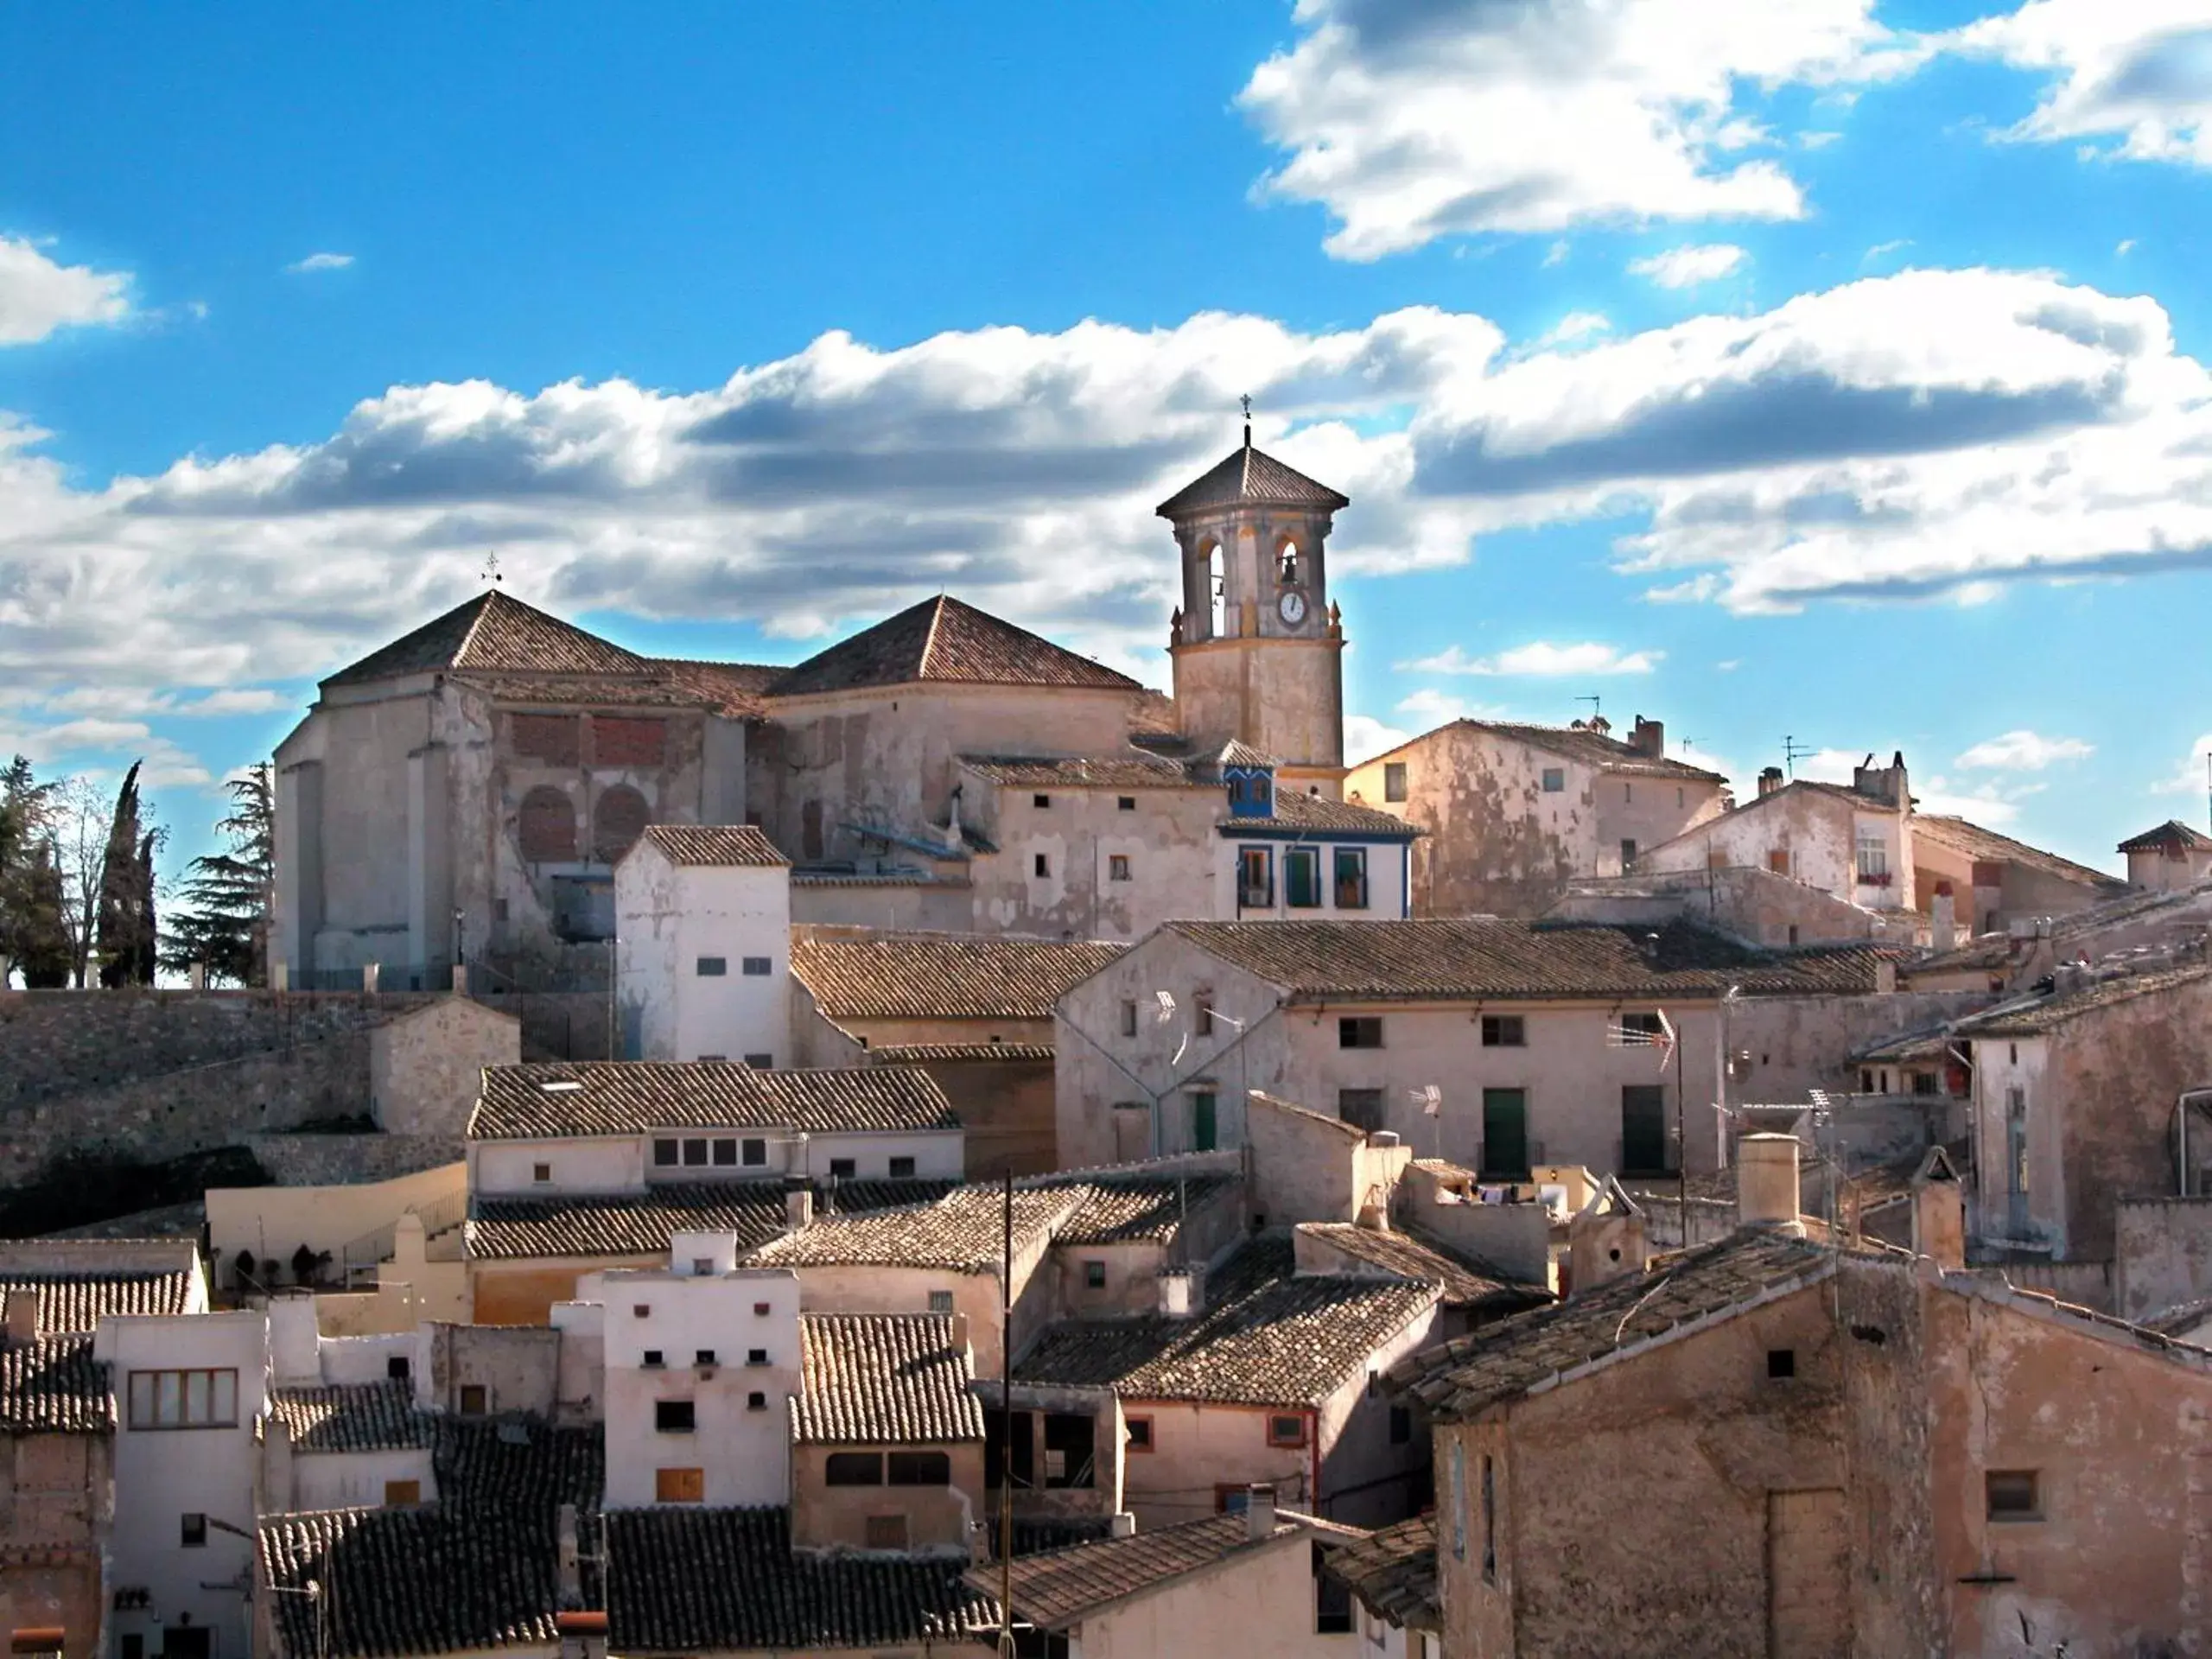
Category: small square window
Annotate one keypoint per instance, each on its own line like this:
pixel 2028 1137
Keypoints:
pixel 674 1417
pixel 654 1359
pixel 641 1309
pixel 713 1059
pixel 756 1152
pixel 1094 1275
pixel 195 1532
pixel 1117 866
pixel 401 1494
pixel 1504 1031
pixel 695 1152
pixel 2014 1495
pixel 679 1485
pixel 1781 1362
pixel 761 1062
pixel 1126 804
pixel 940 1301
pixel 713 967
pixel 902 1169
pixel 756 1401
pixel 1555 779
pixel 398 1368
pixel 1140 1433
pixel 843 1169
pixel 761 1310
pixel 703 1357
pixel 1041 802
pixel 134 1645
pixel 758 967
pixel 1043 865
pixel 474 1400
pixel 726 1152
pixel 541 1173
pixel 1362 1030
pixel 1286 1431
pixel 665 1154
pixel 702 1267
pixel 756 1356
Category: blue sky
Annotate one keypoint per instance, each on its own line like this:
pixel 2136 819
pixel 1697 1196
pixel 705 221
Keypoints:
pixel 1830 370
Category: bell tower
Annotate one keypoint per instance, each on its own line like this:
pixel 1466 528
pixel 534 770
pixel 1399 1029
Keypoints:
pixel 1257 646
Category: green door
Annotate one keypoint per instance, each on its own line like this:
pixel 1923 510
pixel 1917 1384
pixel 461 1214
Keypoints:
pixel 1506 1132
pixel 1643 1128
pixel 1203 1128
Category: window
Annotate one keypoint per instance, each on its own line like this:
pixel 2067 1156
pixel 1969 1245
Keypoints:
pixel 761 1062
pixel 1628 791
pixel 1117 866
pixel 902 1169
pixel 1555 779
pixel 1778 861
pixel 756 1356
pixel 1402 1425
pixel 756 1401
pixel 1139 1433
pixel 1924 1083
pixel 1360 1031
pixel 853 1469
pixel 920 1469
pixel 940 1301
pixel 1043 865
pixel 695 1152
pixel 1094 1275
pixel 1205 1120
pixel 1286 1431
pixel 474 1400
pixel 1202 1013
pixel 2014 1495
pixel 541 1173
pixel 1458 1501
pixel 1490 1523
pixel 1394 781
pixel 195 1532
pixel 842 1168
pixel 1873 861
pixel 1042 802
pixel 397 1370
pixel 1793 933
pixel 702 1356
pixel 1351 878
pixel 1255 878
pixel 1128 1019
pixel 1504 1031
pixel 654 1359
pixel 1301 878
pixel 1125 803
pixel 641 1309
pixel 195 1399
pixel 713 967
pixel 1628 854
pixel 674 1417
pixel 1332 1600
pixel 401 1494
pixel 885 1532
pixel 1648 1024
pixel 725 1153
pixel 761 1310
pixel 757 967
pixel 755 1152
pixel 1361 1108
pixel 679 1485
pixel 1781 1363
pixel 665 1154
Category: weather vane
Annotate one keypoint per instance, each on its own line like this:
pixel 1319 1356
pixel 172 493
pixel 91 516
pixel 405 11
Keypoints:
pixel 491 567
pixel 1247 401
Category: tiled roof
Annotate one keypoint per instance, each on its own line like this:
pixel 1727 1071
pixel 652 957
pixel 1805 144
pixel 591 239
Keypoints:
pixel 1512 1357
pixel 493 631
pixel 942 975
pixel 1989 950
pixel 694 1581
pixel 712 844
pixel 53 1386
pixel 622 1225
pixel 352 1417
pixel 1295 812
pixel 883 1379
pixel 1971 841
pixel 1609 755
pixel 78 1302
pixel 1134 769
pixel 1466 1283
pixel 942 639
pixel 1486 957
pixel 948 1053
pixel 2172 833
pixel 1131 1209
pixel 1060 1587
pixel 630 1097
pixel 2180 1320
pixel 1249 477
pixel 522 1468
pixel 2048 1012
pixel 1266 1336
pixel 1393 1572
pixel 963 1232
pixel 732 688
pixel 1932 1043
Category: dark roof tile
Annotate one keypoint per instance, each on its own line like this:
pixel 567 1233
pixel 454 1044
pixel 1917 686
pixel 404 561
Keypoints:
pixel 1466 1283
pixel 493 631
pixel 1249 477
pixel 714 844
pixel 536 1102
pixel 53 1386
pixel 942 639
pixel 1060 1587
pixel 1973 842
pixel 883 1379
pixel 352 1417
pixel 942 975
pixel 2047 1013
pixel 1393 1571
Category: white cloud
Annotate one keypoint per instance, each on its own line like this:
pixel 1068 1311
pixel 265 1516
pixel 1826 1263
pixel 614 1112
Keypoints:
pixel 2023 751
pixel 1428 708
pixel 1818 140
pixel 2191 777
pixel 2132 80
pixel 1882 249
pixel 1541 658
pixel 2125 247
pixel 240 700
pixel 1556 254
pixel 315 262
pixel 1409 120
pixel 1365 737
pixel 1687 267
pixel 38 296
pixel 1574 325
pixel 1938 797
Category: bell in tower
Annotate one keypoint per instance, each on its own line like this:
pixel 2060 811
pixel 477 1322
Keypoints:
pixel 1257 650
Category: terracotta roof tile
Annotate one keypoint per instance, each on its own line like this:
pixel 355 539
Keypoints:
pixel 942 975
pixel 2172 833
pixel 1466 1282
pixel 962 1232
pixel 530 1102
pixel 1972 841
pixel 555 1228
pixel 883 1379
pixel 1249 477
pixel 942 639
pixel 1266 1335
pixel 736 690
pixel 493 631
pixel 352 1417
pixel 960 1053
pixel 1134 769
pixel 695 1580
pixel 2049 1012
pixel 718 844
pixel 1131 1209
pixel 1060 1587
pixel 53 1386
pixel 1295 814
pixel 1393 1572
pixel 78 1302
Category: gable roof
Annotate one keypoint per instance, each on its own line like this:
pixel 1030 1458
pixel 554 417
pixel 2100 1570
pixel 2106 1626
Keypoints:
pixel 1501 1361
pixel 1599 749
pixel 942 975
pixel 1249 477
pixel 351 1417
pixel 493 631
pixel 1971 841
pixel 54 1386
pixel 963 1231
pixel 942 639
pixel 536 1101
pixel 721 845
pixel 2172 833
pixel 2035 1018
pixel 883 1379
pixel 1466 1282
pixel 1393 1572
pixel 1060 1587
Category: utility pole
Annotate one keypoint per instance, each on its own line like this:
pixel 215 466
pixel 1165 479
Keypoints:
pixel 1006 1428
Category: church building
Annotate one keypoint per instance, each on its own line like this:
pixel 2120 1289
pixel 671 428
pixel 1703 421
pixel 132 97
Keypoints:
pixel 464 793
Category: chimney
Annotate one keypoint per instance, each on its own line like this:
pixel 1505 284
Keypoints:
pixel 1182 1292
pixel 1939 1212
pixel 570 1589
pixel 583 1635
pixel 1260 1512
pixel 1943 918
pixel 1647 738
pixel 959 1333
pixel 798 1205
pixel 1766 1183
pixel 22 1317
pixel 1769 780
pixel 1605 1240
pixel 1122 1524
pixel 37 1640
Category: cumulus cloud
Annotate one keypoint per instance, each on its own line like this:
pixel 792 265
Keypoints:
pixel 1687 267
pixel 1365 737
pixel 38 295
pixel 2192 776
pixel 2132 80
pixel 315 262
pixel 2023 751
pixel 1575 325
pixel 1541 658
pixel 1411 119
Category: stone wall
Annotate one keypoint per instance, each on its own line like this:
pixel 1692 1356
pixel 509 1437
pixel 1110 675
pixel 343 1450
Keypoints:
pixel 348 1159
pixel 2164 1253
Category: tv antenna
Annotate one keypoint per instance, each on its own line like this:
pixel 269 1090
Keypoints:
pixel 1597 705
pixel 1793 751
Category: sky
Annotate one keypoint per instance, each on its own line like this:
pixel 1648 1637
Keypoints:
pixel 1819 378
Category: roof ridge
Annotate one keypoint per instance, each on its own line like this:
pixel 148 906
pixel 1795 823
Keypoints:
pixel 929 640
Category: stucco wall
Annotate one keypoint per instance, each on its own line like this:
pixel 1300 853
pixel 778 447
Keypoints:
pixel 825 1516
pixel 2163 1253
pixel 1260 1601
pixel 668 919
pixel 1166 836
pixel 277 1220
pixel 1198 1448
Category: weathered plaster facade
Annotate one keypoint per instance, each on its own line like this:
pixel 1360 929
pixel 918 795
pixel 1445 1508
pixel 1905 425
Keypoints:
pixel 702 956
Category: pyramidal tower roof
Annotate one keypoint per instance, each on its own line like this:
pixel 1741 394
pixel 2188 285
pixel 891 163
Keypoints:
pixel 1249 477
pixel 493 631
pixel 942 639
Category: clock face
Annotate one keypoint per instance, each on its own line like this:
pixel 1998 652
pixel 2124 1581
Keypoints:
pixel 1292 606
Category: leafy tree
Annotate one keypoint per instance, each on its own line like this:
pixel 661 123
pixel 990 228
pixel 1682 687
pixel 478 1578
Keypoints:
pixel 33 926
pixel 227 894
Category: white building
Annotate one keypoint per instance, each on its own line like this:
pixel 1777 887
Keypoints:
pixel 703 945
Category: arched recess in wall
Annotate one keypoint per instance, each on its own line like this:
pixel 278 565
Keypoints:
pixel 547 827
pixel 616 823
pixel 1216 592
pixel 1290 566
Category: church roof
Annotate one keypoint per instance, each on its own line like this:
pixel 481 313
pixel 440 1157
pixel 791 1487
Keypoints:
pixel 942 639
pixel 1249 477
pixel 493 631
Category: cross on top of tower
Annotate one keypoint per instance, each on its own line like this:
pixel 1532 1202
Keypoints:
pixel 1247 401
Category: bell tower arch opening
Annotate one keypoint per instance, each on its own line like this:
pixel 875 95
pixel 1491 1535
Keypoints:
pixel 1217 580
